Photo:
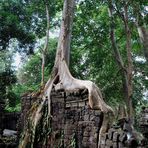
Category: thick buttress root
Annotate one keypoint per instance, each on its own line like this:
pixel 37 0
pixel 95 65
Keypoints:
pixel 70 83
pixel 67 82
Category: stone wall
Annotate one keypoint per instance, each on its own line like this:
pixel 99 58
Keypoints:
pixel 26 102
pixel 120 136
pixel 74 124
pixel 144 124
pixel 73 121
pixel 1 116
pixel 8 120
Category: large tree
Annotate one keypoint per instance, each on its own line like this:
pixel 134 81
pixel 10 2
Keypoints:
pixel 129 14
pixel 61 78
pixel 126 69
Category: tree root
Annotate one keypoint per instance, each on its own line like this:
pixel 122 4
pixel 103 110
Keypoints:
pixel 67 82
pixel 64 80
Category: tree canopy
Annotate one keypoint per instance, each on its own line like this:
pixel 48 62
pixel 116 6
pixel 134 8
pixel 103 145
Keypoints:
pixel 92 55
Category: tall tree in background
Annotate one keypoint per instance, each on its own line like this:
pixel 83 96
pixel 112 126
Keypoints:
pixel 7 76
pixel 13 13
pixel 126 69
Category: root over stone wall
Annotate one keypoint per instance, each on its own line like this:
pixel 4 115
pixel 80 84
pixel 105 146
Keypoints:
pixel 74 124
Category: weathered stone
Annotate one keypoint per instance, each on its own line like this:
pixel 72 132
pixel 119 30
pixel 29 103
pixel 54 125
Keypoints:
pixel 127 127
pixel 85 139
pixel 109 143
pixel 82 103
pixel 115 145
pixel 86 134
pixel 86 117
pixel 102 145
pixel 110 133
pixel 92 118
pixel 88 128
pixel 97 112
pixel 115 136
pixel 123 138
pixel 103 140
pixel 120 145
pixel 72 115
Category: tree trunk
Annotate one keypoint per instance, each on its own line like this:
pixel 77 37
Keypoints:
pixel 63 49
pixel 126 72
pixel 46 43
pixel 129 87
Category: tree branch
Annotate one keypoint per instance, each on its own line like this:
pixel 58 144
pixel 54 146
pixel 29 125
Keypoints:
pixel 113 40
pixel 46 42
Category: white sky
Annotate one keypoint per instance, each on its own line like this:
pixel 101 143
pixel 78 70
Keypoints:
pixel 17 57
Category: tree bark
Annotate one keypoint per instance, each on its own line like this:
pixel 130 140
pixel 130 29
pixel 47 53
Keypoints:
pixel 63 48
pixel 44 50
pixel 129 87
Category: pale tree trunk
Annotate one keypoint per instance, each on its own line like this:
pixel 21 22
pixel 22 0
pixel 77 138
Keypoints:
pixel 65 31
pixel 44 50
pixel 126 71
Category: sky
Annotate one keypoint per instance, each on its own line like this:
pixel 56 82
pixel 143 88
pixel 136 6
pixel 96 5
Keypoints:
pixel 17 56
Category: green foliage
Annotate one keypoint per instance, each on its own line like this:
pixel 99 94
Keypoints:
pixel 91 53
pixel 25 21
pixel 92 57
pixel 30 74
pixel 16 108
pixel 8 80
pixel 22 22
pixel 73 141
pixel 15 23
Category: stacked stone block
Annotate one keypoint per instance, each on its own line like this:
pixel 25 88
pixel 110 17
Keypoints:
pixel 144 121
pixel 1 116
pixel 72 118
pixel 75 124
pixel 114 138
pixel 26 102
pixel 144 124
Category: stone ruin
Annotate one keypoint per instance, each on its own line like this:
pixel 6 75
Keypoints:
pixel 144 124
pixel 75 120
pixel 8 128
pixel 2 106
pixel 74 124
pixel 120 135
